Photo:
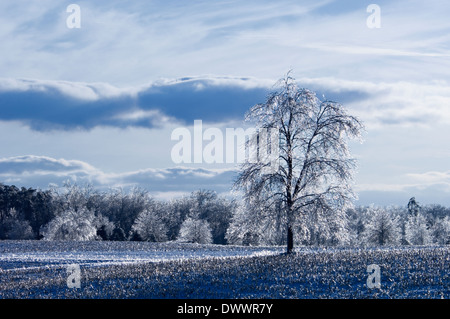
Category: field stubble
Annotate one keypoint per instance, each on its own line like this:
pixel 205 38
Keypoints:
pixel 413 272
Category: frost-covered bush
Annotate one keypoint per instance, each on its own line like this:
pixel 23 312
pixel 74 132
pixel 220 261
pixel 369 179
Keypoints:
pixel 77 225
pixel 195 231
pixel 150 227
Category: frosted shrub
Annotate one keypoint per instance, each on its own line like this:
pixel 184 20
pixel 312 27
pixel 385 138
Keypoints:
pixel 195 231
pixel 71 225
pixel 149 227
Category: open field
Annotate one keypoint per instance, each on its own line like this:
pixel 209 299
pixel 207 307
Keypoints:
pixel 38 269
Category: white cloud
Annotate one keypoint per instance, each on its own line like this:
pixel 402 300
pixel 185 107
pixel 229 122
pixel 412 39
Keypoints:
pixel 381 104
pixel 77 90
pixel 367 50
pixel 431 178
pixel 42 171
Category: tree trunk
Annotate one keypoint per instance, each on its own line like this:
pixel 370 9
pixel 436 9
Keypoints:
pixel 290 222
pixel 290 240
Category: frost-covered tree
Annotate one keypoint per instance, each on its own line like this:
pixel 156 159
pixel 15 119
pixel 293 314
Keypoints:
pixel 122 208
pixel 441 231
pixel 195 230
pixel 357 221
pixel 71 197
pixel 416 230
pixel 314 165
pixel 149 224
pixel 217 211
pixel 76 225
pixel 413 207
pixel 382 228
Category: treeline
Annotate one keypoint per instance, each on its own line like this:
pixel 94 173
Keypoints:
pixel 411 224
pixel 83 213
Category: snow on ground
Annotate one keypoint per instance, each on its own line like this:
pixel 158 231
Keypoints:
pixel 21 255
pixel 36 269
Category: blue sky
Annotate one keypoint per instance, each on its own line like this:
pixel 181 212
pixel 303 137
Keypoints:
pixel 98 104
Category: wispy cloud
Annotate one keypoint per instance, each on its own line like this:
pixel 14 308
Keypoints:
pixel 431 178
pixel 130 44
pixel 374 51
pixel 380 104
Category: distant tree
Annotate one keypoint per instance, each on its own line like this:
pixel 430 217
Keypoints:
pixel 31 206
pixel 440 231
pixel 43 211
pixel 217 211
pixel 436 211
pixel 122 208
pixel 401 215
pixel 149 224
pixel 243 229
pixel 118 234
pixel 413 207
pixel 416 230
pixel 314 165
pixel 357 220
pixel 382 228
pixel 71 197
pixel 214 209
pixel 195 230
pixel 177 212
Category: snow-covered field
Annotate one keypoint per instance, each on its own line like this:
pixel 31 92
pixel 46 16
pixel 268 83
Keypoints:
pixel 22 255
pixel 38 269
